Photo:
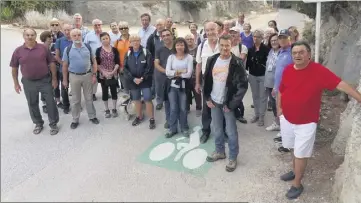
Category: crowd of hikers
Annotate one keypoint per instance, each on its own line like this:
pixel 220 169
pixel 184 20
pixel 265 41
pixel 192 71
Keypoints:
pixel 213 67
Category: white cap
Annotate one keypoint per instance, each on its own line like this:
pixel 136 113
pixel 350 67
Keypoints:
pixel 235 29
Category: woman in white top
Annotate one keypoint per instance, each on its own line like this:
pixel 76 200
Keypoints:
pixel 179 70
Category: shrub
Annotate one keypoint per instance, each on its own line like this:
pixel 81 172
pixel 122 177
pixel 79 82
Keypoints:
pixel 193 5
pixel 39 20
pixel 6 14
pixel 309 32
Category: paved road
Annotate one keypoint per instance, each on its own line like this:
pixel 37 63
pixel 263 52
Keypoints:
pixel 99 163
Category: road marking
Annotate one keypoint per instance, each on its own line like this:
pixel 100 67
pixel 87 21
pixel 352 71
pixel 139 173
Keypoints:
pixel 180 153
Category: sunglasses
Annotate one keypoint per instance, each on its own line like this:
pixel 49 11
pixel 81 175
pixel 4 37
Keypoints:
pixel 123 28
pixel 54 25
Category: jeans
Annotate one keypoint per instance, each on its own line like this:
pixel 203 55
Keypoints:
pixel 178 109
pixel 259 95
pixel 197 97
pixel 218 117
pixel 31 90
pixel 160 81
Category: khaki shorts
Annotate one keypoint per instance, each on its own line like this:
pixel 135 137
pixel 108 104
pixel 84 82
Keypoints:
pixel 301 138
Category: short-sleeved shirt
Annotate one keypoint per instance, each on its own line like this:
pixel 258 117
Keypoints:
pixel 93 40
pixel 301 92
pixel 247 40
pixel 79 59
pixel 144 34
pixel 61 44
pixel 34 62
pixel 235 50
pixel 162 55
pixel 220 74
pixel 114 37
pixel 206 52
pixel 122 45
pixel 284 58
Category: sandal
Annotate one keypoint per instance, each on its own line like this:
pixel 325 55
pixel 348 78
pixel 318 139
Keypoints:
pixel 54 130
pixel 38 129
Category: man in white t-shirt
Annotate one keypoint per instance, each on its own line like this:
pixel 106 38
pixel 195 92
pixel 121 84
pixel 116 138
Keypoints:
pixel 114 33
pixel 225 84
pixel 240 22
pixel 207 48
pixel 241 51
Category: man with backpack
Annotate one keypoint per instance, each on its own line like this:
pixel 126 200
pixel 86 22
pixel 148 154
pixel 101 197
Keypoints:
pixel 206 49
pixel 78 60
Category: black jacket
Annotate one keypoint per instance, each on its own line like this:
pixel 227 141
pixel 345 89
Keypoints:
pixel 236 85
pixel 256 60
pixel 137 67
pixel 116 56
pixel 151 42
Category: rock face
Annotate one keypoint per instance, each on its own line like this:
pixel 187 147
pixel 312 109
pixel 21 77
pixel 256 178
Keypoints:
pixel 130 11
pixel 347 185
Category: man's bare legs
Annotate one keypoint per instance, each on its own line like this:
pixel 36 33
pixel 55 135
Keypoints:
pixel 138 108
pixel 150 109
pixel 299 166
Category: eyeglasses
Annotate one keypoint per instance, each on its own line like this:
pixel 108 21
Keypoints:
pixel 78 35
pixel 54 25
pixel 189 39
pixel 98 25
pixel 167 35
pixel 123 28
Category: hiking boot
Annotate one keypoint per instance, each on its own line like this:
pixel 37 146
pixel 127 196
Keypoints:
pixel 151 123
pixel 137 121
pixel 282 149
pixel 38 128
pixel 254 119
pixel 66 110
pixel 107 113
pixel 294 192
pixel 198 113
pixel 94 120
pixel 159 107
pixel 231 166
pixel 114 113
pixel 288 176
pixel 170 134
pixel 215 156
pixel 45 109
pixel 252 106
pixel 273 127
pixel 60 105
pixel 166 125
pixel 242 120
pixel 54 129
pixel 278 140
pixel 260 121
pixel 204 137
pixel 74 125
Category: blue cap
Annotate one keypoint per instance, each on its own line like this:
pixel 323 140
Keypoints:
pixel 284 32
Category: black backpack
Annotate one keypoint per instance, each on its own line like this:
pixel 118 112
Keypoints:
pixel 68 48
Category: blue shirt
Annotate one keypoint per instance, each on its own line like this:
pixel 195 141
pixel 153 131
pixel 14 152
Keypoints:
pixel 61 44
pixel 79 59
pixel 144 34
pixel 284 59
pixel 93 40
pixel 247 40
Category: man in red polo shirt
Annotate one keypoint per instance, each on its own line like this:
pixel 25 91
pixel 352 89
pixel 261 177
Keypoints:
pixel 298 106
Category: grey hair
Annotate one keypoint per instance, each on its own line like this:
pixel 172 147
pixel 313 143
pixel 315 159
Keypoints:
pixel 96 20
pixel 123 24
pixel 258 31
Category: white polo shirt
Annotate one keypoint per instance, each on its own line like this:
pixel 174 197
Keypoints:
pixel 206 52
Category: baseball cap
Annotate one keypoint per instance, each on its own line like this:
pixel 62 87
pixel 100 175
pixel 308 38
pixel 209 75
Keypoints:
pixel 234 29
pixel 284 32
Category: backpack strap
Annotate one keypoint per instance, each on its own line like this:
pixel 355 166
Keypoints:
pixel 68 51
pixel 90 51
pixel 68 48
pixel 144 51
pixel 202 45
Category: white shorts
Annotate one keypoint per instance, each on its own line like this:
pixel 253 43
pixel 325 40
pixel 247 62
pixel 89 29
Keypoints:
pixel 301 138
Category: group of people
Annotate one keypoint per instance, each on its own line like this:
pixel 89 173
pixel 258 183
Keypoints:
pixel 215 67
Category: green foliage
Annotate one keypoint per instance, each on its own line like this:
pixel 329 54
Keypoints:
pixel 6 14
pixel 18 8
pixel 193 5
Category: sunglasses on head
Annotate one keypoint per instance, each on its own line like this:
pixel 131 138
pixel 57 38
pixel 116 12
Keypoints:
pixel 123 28
pixel 54 25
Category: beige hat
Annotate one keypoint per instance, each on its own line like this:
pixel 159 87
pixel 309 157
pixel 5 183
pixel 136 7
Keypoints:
pixel 234 29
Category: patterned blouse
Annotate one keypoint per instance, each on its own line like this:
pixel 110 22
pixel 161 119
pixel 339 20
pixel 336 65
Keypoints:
pixel 107 61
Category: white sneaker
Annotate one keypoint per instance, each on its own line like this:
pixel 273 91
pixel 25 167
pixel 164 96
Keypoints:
pixel 273 127
pixel 278 134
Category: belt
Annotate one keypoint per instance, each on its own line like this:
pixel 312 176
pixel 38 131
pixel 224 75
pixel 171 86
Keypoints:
pixel 80 73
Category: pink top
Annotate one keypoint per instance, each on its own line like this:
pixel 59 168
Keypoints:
pixel 107 61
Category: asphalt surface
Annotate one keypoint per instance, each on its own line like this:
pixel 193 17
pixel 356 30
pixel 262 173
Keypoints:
pixel 99 162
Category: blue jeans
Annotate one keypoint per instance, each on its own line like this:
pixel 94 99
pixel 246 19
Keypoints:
pixel 178 109
pixel 218 115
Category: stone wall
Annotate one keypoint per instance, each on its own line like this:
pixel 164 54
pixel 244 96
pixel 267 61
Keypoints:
pixel 347 187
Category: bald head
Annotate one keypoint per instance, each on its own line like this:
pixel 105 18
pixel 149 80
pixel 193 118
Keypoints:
pixel 75 35
pixel 66 29
pixel 211 30
pixel 160 24
pixel 29 35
